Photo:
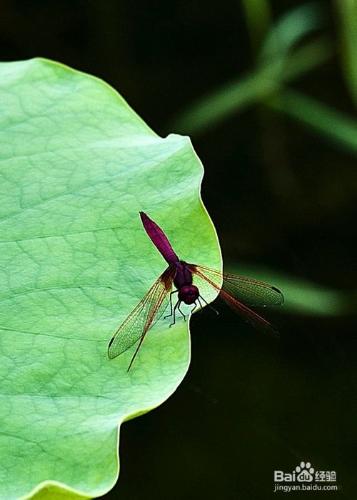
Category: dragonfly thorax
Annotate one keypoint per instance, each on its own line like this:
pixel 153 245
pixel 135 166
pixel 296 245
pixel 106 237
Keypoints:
pixel 188 294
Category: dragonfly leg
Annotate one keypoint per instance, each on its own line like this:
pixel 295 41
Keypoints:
pixel 171 310
pixel 201 306
pixel 177 305
pixel 209 305
pixel 196 305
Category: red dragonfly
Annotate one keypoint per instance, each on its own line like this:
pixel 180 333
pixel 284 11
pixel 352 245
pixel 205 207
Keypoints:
pixel 188 279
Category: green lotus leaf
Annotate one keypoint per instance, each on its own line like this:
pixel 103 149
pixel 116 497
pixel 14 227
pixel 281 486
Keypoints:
pixel 77 165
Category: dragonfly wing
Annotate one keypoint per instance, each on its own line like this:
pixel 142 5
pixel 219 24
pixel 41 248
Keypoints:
pixel 143 316
pixel 231 294
pixel 250 316
pixel 248 290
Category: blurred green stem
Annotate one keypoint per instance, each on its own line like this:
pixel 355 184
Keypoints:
pixel 279 43
pixel 348 33
pixel 259 85
pixel 301 296
pixel 328 122
pixel 258 19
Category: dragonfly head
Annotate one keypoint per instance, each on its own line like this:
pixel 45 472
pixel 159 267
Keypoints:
pixel 188 294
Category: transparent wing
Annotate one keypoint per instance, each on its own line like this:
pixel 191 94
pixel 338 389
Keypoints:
pixel 237 288
pixel 248 290
pixel 143 316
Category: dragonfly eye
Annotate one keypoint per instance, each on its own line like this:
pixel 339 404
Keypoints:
pixel 188 294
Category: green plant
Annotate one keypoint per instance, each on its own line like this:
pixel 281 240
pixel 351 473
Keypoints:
pixel 77 165
pixel 282 55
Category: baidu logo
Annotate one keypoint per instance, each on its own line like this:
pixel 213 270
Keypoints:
pixel 305 478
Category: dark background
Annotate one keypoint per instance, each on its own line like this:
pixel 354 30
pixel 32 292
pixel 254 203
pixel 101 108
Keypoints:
pixel 281 195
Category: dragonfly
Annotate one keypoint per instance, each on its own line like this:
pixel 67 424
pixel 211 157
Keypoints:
pixel 189 281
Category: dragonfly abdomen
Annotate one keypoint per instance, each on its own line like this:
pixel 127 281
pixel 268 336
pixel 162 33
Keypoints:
pixel 159 239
